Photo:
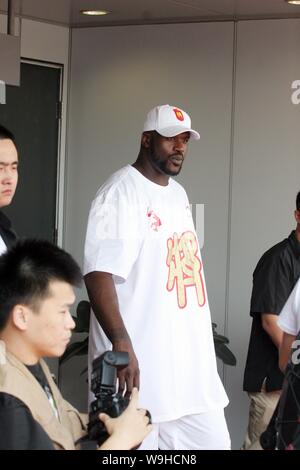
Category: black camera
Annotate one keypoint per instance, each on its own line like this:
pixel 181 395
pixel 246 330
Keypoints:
pixel 103 385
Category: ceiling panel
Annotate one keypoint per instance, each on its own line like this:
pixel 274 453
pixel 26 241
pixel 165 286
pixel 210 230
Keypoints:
pixel 128 10
pixel 150 11
pixel 243 7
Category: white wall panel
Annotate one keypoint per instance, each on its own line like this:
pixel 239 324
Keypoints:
pixel 266 174
pixel 117 75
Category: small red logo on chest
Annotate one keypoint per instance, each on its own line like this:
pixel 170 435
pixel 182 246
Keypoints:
pixel 155 221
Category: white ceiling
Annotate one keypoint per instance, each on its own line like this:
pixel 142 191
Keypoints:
pixel 151 11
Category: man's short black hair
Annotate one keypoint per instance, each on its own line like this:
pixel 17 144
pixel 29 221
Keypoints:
pixel 26 271
pixel 298 202
pixel 6 134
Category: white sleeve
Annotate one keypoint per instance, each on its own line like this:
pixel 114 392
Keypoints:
pixel 289 318
pixel 115 233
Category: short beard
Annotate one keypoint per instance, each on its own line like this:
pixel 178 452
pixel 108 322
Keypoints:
pixel 162 165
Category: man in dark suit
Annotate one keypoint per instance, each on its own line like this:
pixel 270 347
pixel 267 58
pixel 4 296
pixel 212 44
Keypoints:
pixel 273 280
pixel 8 184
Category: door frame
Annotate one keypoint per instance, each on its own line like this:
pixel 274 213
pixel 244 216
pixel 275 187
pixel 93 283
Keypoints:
pixel 60 161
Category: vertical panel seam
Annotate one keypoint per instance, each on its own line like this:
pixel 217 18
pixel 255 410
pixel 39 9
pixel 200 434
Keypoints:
pixel 233 96
pixel 66 178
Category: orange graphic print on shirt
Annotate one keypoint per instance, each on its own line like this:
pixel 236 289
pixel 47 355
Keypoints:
pixel 185 267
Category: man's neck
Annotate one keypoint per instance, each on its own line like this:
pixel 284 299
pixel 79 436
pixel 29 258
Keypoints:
pixel 151 173
pixel 20 350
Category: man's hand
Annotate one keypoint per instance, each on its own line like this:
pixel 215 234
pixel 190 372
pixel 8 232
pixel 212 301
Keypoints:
pixel 128 430
pixel 129 377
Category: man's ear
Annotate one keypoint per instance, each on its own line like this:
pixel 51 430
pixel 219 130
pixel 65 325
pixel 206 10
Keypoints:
pixel 297 216
pixel 146 138
pixel 20 316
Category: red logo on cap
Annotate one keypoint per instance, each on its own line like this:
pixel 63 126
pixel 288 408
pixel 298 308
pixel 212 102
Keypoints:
pixel 178 114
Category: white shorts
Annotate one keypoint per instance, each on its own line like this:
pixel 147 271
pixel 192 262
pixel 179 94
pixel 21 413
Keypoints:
pixel 204 431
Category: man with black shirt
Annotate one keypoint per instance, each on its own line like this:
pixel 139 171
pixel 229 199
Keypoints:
pixel 273 280
pixel 36 293
pixel 8 184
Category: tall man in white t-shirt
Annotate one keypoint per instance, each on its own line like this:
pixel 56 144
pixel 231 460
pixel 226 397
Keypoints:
pixel 145 279
pixel 8 184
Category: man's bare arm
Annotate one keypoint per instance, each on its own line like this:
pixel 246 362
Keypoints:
pixel 285 350
pixel 104 302
pixel 269 324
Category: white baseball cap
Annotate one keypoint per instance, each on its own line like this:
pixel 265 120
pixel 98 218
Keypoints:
pixel 169 121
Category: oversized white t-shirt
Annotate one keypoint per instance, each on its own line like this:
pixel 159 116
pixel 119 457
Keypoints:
pixel 289 318
pixel 143 233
